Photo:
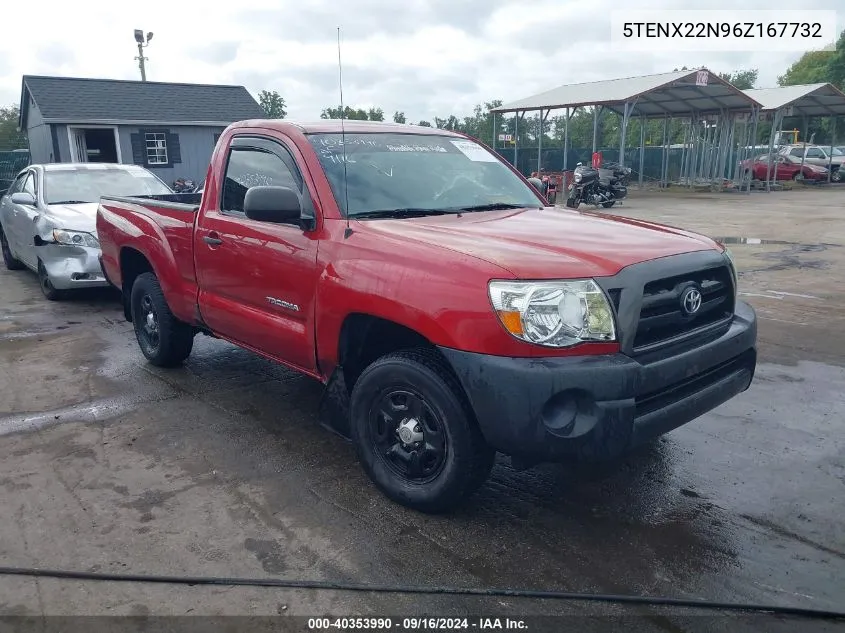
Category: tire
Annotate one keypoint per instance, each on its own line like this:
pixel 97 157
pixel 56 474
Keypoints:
pixel 165 341
pixel 607 205
pixel 798 177
pixel 419 383
pixel 11 262
pixel 836 176
pixel 47 289
pixel 572 203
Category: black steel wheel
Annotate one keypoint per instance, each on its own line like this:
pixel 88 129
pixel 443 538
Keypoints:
pixel 11 262
pixel 407 434
pixel 164 340
pixel 47 288
pixel 415 433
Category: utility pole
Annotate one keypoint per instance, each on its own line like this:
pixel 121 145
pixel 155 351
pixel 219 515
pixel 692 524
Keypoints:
pixel 142 43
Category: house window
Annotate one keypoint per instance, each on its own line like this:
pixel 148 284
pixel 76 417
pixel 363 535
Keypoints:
pixel 156 148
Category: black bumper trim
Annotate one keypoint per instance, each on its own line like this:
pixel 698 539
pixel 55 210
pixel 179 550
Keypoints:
pixel 599 406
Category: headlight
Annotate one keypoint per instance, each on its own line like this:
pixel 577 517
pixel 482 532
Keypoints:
pixel 577 177
pixel 553 313
pixel 75 238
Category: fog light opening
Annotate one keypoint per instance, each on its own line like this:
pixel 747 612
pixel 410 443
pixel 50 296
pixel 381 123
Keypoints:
pixel 570 414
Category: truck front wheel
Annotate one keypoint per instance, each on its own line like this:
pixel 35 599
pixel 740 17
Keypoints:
pixel 164 340
pixel 414 433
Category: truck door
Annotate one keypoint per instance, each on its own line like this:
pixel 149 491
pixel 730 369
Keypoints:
pixel 257 280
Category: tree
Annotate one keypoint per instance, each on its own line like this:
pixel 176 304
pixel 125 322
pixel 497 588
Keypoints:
pixel 424 124
pixel 811 68
pixel 742 79
pixel 399 117
pixel 375 114
pixel 835 67
pixel 348 113
pixel 272 103
pixel 10 138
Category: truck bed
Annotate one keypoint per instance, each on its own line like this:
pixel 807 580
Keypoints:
pixel 177 201
pixel 159 227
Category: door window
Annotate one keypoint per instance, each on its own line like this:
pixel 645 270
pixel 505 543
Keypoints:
pixel 17 186
pixel 815 152
pixel 252 167
pixel 29 184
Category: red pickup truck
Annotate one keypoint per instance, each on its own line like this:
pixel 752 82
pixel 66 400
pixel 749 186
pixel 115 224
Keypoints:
pixel 448 309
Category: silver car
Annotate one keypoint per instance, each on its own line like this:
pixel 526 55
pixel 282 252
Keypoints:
pixel 48 220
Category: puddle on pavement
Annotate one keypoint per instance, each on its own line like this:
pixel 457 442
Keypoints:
pixel 751 240
pixel 763 241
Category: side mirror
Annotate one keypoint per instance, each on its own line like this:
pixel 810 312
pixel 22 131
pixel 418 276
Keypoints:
pixel 272 204
pixel 22 197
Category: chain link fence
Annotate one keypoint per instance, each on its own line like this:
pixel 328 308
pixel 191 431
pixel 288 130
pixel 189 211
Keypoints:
pixel 11 162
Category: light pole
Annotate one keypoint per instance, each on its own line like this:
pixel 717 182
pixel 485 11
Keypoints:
pixel 142 43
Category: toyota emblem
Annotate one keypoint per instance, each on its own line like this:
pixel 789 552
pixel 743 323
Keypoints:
pixel 691 301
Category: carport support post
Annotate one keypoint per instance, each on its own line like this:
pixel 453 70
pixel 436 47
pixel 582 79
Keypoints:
pixel 664 154
pixel 642 149
pixel 595 127
pixel 516 141
pixel 753 151
pixel 565 139
pixel 495 135
pixel 775 116
pixel 832 141
pixel 626 115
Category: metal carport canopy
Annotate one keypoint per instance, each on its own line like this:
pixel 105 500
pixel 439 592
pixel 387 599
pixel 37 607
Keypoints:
pixel 805 100
pixel 678 93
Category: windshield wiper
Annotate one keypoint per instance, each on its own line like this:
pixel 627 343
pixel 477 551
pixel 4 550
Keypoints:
pixel 409 212
pixel 69 202
pixel 495 206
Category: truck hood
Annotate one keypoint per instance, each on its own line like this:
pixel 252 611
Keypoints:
pixel 74 217
pixel 547 243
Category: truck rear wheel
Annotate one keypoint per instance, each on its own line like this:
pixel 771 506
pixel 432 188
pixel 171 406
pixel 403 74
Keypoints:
pixel 164 340
pixel 414 432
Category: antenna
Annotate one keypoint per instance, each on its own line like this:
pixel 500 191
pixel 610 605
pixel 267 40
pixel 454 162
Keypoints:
pixel 348 230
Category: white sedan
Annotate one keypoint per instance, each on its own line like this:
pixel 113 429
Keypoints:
pixel 48 220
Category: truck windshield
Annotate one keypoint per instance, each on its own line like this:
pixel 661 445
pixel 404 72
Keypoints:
pixel 419 173
pixel 86 184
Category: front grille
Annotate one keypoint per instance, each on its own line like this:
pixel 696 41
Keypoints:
pixel 662 318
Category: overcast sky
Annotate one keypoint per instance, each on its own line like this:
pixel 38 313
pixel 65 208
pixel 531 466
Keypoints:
pixel 424 57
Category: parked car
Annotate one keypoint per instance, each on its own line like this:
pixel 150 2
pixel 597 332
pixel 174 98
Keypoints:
pixel 817 155
pixel 48 220
pixel 449 312
pixel 786 167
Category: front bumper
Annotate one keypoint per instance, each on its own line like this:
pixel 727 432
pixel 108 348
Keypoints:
pixel 598 407
pixel 71 267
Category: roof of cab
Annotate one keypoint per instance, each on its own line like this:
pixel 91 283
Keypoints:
pixel 329 126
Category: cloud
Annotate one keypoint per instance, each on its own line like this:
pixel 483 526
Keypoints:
pixel 426 58
pixel 220 53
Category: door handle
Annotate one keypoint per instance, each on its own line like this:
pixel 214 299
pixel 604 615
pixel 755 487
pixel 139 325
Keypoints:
pixel 212 240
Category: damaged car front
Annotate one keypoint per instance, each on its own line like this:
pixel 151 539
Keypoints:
pixel 60 242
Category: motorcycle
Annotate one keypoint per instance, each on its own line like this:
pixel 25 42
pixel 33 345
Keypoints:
pixel 600 187
pixel 184 185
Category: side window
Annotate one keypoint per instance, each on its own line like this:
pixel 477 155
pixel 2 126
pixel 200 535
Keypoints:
pixel 815 152
pixel 29 184
pixel 17 186
pixel 797 152
pixel 252 167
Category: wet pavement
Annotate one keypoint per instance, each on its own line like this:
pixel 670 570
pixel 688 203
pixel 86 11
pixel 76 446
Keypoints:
pixel 219 468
